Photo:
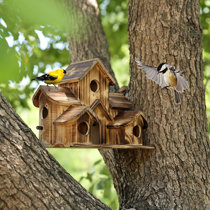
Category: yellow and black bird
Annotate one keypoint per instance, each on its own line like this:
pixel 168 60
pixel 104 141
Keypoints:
pixel 166 76
pixel 52 77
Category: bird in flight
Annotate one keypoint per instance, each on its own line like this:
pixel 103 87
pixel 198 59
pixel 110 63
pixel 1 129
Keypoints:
pixel 166 76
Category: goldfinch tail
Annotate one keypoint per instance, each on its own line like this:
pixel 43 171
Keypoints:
pixel 34 79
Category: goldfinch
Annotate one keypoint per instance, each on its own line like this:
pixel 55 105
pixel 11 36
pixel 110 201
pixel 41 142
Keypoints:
pixel 166 76
pixel 52 77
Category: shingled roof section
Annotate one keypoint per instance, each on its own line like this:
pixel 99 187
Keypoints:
pixel 61 95
pixel 72 113
pixel 119 101
pixel 77 71
pixel 126 117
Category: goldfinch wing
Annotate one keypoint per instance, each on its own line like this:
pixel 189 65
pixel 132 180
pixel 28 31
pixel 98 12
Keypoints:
pixel 51 77
pixel 152 73
pixel 55 73
pixel 45 77
pixel 182 83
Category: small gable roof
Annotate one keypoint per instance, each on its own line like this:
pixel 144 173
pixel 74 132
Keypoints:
pixel 73 113
pixel 61 95
pixel 126 117
pixel 77 71
pixel 97 103
pixel 119 101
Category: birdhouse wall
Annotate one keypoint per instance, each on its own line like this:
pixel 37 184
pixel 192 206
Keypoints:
pixel 74 87
pixel 94 86
pixel 133 133
pixel 65 133
pixel 103 122
pixel 57 110
pixel 113 112
pixel 83 130
pixel 127 134
pixel 116 136
pixel 48 112
pixel 44 119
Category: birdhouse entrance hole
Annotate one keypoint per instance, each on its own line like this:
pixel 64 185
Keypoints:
pixel 83 128
pixel 94 86
pixel 44 112
pixel 137 131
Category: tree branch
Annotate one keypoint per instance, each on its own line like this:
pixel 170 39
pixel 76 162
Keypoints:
pixel 30 177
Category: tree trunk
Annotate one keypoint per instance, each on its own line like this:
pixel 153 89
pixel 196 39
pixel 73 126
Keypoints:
pixel 30 178
pixel 91 41
pixel 174 176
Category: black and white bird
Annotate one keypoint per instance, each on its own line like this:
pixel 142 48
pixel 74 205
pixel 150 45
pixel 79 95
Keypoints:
pixel 166 76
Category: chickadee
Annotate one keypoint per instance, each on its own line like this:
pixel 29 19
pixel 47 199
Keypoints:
pixel 166 76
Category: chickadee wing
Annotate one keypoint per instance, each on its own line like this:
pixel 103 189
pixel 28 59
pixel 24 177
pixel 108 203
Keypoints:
pixel 152 73
pixel 182 83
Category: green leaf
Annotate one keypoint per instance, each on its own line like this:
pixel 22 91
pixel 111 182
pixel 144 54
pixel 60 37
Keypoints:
pixel 100 185
pixel 97 162
pixel 8 63
pixel 107 188
pixel 91 189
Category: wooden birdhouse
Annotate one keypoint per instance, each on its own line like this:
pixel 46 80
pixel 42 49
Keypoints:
pixel 81 112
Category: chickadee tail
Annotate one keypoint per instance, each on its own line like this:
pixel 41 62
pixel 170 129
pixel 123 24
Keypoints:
pixel 177 97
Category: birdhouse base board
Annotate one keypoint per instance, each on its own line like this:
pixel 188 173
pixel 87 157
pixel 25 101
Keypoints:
pixel 99 146
pixel 111 146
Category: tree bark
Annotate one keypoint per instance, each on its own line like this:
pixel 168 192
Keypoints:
pixel 175 175
pixel 90 41
pixel 30 178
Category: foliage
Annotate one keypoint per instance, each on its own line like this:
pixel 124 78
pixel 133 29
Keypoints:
pixel 101 184
pixel 205 20
pixel 30 43
pixel 115 22
pixel 90 171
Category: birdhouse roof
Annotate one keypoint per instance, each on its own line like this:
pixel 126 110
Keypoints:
pixel 61 95
pixel 97 103
pixel 73 113
pixel 77 71
pixel 119 101
pixel 126 117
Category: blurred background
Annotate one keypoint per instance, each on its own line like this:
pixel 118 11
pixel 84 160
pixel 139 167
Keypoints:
pixel 33 41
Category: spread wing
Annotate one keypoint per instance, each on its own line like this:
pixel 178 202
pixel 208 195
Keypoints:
pixel 152 73
pixel 182 83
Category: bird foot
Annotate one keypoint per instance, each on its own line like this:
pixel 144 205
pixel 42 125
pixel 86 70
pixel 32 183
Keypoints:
pixel 166 87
